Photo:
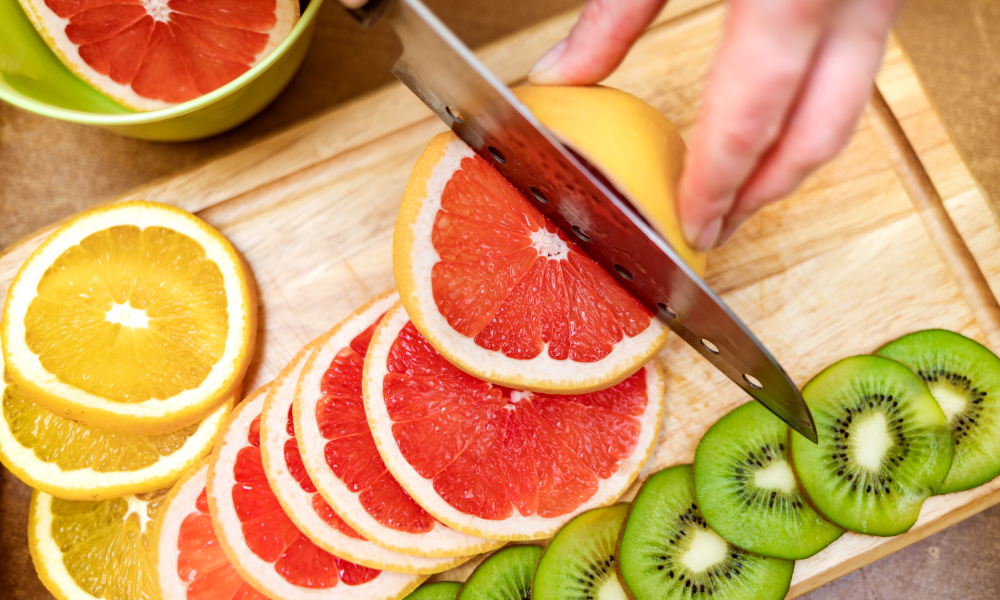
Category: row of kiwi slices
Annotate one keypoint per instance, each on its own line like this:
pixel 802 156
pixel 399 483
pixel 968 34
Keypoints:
pixel 918 418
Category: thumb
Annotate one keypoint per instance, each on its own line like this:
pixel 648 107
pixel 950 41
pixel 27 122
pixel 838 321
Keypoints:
pixel 597 44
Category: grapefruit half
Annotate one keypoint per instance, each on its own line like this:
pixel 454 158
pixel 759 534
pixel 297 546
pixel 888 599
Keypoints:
pixel 149 54
pixel 262 541
pixel 340 454
pixel 187 560
pixel 297 493
pixel 503 294
pixel 496 462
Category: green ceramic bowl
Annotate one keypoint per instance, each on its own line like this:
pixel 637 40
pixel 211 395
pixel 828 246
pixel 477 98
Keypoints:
pixel 33 78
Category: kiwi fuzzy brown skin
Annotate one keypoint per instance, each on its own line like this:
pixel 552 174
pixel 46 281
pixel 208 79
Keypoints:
pixel 618 545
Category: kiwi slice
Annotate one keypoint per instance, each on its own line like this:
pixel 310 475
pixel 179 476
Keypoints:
pixel 441 590
pixel 579 562
pixel 504 575
pixel 964 378
pixel 667 551
pixel 745 488
pixel 884 445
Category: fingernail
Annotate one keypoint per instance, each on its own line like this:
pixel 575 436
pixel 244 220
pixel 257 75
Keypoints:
pixel 708 235
pixel 546 70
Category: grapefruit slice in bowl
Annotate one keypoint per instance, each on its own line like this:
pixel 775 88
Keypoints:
pixel 342 459
pixel 502 293
pixel 262 541
pixel 496 462
pixel 150 54
pixel 297 494
pixel 187 560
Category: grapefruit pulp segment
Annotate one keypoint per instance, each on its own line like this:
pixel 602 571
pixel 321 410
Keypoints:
pixel 499 462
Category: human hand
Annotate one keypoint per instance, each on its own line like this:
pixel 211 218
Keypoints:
pixel 786 89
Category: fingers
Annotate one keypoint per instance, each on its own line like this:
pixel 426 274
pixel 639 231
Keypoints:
pixel 827 110
pixel 759 69
pixel 597 44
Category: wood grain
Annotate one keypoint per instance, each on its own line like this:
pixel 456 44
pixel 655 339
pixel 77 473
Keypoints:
pixel 840 268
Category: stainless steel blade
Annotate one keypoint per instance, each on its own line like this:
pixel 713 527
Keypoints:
pixel 453 83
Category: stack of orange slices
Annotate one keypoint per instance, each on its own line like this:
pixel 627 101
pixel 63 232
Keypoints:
pixel 509 385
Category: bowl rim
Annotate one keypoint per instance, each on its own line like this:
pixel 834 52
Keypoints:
pixel 136 118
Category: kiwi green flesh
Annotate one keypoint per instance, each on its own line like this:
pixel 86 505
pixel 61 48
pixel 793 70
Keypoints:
pixel 504 575
pixel 884 445
pixel 666 550
pixel 579 562
pixel 964 378
pixel 747 493
pixel 441 590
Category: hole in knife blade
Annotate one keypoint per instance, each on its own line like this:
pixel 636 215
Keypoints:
pixel 583 236
pixel 538 195
pixel 666 311
pixel 806 424
pixel 454 114
pixel 753 381
pixel 710 346
pixel 496 155
pixel 623 272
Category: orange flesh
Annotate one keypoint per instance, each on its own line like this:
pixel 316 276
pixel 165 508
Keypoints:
pixel 502 282
pixel 271 534
pixel 490 450
pixel 351 453
pixel 192 49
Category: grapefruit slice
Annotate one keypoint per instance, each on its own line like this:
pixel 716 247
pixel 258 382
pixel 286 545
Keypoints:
pixel 496 462
pixel 149 54
pixel 503 294
pixel 135 317
pixel 262 541
pixel 187 561
pixel 298 495
pixel 342 459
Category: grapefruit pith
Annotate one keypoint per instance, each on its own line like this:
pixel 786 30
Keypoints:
pixel 149 54
pixel 498 289
pixel 297 493
pixel 187 560
pixel 340 454
pixel 496 462
pixel 262 541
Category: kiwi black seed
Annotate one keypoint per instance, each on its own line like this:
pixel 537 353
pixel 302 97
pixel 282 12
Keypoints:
pixel 579 562
pixel 745 488
pixel 504 575
pixel 884 445
pixel 441 590
pixel 964 378
pixel 666 550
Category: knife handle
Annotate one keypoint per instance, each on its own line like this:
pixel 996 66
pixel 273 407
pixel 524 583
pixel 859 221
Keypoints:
pixel 370 12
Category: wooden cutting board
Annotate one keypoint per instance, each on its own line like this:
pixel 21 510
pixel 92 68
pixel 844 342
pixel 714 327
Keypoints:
pixel 840 268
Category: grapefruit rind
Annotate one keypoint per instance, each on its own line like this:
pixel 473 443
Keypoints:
pixel 52 28
pixel 298 503
pixel 254 570
pixel 155 415
pixel 517 527
pixel 413 258
pixel 438 542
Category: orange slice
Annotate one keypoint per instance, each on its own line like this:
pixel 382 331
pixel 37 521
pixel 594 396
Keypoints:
pixel 135 317
pixel 297 493
pixel 496 462
pixel 148 54
pixel 262 541
pixel 497 289
pixel 188 563
pixel 341 457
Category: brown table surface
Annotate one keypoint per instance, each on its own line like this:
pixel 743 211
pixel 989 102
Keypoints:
pixel 50 170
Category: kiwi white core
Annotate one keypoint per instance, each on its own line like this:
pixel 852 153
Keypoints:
pixel 871 440
pixel 549 245
pixel 777 476
pixel 611 590
pixel 707 549
pixel 952 402
pixel 125 315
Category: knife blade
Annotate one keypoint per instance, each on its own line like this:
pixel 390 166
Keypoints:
pixel 462 92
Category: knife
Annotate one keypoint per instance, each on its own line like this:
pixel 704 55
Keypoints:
pixel 481 110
